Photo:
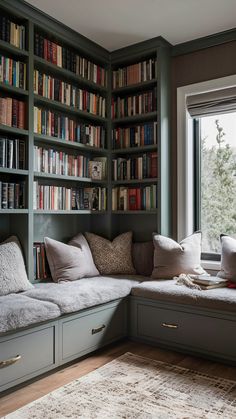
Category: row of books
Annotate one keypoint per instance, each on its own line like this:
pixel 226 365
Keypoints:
pixel 12 33
pixel 48 197
pixel 142 167
pixel 137 136
pixel 12 195
pixel 55 89
pixel 12 153
pixel 134 199
pixel 12 112
pixel 135 73
pixel 66 58
pixel 41 267
pixel 134 105
pixel 12 72
pixel 56 125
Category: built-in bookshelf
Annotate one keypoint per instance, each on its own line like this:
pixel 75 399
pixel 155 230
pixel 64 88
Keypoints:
pixel 83 134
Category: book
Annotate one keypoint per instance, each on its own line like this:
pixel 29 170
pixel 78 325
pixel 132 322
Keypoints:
pixel 212 286
pixel 134 105
pixel 207 280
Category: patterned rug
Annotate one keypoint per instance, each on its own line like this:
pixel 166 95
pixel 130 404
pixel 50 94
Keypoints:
pixel 139 388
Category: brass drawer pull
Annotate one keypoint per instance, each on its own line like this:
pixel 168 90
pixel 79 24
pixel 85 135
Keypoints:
pixel 170 326
pixel 10 361
pixel 98 329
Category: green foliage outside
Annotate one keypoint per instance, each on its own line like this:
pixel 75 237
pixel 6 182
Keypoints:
pixel 218 191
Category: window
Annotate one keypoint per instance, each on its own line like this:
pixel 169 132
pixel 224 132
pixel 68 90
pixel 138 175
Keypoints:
pixel 215 179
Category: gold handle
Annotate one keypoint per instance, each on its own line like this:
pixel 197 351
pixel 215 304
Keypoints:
pixel 10 361
pixel 170 326
pixel 98 329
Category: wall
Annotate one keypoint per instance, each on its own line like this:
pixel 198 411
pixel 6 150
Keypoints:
pixel 206 64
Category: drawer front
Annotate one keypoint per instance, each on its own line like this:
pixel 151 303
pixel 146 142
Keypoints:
pixel 25 355
pixel 92 330
pixel 198 332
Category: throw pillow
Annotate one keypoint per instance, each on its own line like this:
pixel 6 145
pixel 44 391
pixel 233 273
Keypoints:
pixel 13 277
pixel 143 257
pixel 81 242
pixel 112 257
pixel 172 258
pixel 67 263
pixel 228 258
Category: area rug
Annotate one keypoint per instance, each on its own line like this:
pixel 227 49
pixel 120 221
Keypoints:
pixel 139 388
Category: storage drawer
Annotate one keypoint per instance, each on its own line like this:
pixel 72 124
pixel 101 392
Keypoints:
pixel 92 329
pixel 29 353
pixel 195 331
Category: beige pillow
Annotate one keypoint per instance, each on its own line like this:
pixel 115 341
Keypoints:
pixel 13 277
pixel 67 263
pixel 112 257
pixel 228 258
pixel 81 242
pixel 172 258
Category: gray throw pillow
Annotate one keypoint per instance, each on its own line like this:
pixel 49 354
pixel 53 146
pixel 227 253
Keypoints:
pixel 172 258
pixel 81 242
pixel 67 263
pixel 112 257
pixel 13 277
pixel 228 258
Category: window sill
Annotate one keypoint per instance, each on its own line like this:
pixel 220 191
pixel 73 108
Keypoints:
pixel 212 265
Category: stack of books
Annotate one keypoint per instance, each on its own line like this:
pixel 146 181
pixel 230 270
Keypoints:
pixel 55 124
pixel 135 73
pixel 142 167
pixel 66 58
pixel 55 89
pixel 12 153
pixel 12 112
pixel 12 33
pixel 12 72
pixel 137 136
pixel 41 267
pixel 134 105
pixel 134 199
pixel 12 195
pixel 207 282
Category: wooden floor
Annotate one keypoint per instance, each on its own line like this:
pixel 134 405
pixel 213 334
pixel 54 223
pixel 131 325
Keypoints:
pixel 14 400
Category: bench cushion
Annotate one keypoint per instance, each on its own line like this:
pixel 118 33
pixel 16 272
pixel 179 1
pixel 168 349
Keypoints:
pixel 169 291
pixel 18 310
pixel 84 293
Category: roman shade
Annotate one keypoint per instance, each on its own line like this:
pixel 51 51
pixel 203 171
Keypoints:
pixel 213 102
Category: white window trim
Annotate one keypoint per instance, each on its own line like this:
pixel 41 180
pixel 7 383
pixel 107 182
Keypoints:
pixel 185 166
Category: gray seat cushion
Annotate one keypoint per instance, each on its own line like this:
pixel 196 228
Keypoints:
pixel 18 310
pixel 84 293
pixel 169 291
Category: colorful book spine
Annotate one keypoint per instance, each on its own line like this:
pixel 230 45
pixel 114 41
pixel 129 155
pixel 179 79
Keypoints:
pixel 60 91
pixel 59 126
pixel 12 32
pixel 135 73
pixel 134 199
pixel 141 167
pixel 66 58
pixel 12 72
pixel 134 105
pixel 12 153
pixel 52 197
pixel 12 195
pixel 12 112
pixel 136 136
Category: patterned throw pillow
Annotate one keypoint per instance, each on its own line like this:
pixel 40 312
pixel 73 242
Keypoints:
pixel 112 257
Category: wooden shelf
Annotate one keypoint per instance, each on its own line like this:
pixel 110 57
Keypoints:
pixel 134 181
pixel 12 89
pixel 133 150
pixel 14 211
pixel 135 87
pixel 14 171
pixel 68 178
pixel 69 212
pixel 12 130
pixel 41 63
pixel 69 144
pixel 5 46
pixel 135 118
pixel 140 212
pixel 40 100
